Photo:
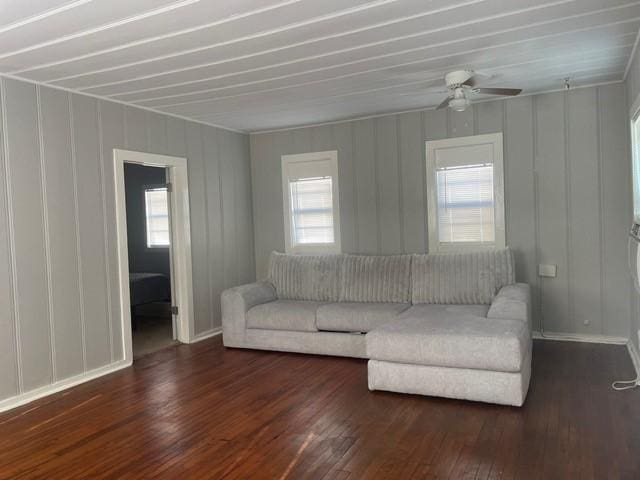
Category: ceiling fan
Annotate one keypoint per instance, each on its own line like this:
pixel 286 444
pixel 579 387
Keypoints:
pixel 463 83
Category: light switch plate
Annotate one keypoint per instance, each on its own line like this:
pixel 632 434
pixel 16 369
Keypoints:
pixel 547 270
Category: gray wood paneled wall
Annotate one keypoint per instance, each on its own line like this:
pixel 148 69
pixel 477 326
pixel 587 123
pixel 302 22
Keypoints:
pixel 567 194
pixel 59 299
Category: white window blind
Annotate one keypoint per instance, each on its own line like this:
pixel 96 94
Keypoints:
pixel 312 210
pixel 465 204
pixel 157 217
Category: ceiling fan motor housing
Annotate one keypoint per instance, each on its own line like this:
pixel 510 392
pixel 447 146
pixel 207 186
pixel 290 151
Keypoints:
pixel 457 78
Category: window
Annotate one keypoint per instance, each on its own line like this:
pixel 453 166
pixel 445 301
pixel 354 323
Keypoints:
pixel 465 185
pixel 310 197
pixel 156 203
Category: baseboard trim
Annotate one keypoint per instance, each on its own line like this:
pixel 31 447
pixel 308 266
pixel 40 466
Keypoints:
pixel 30 396
pixel 208 334
pixel 578 337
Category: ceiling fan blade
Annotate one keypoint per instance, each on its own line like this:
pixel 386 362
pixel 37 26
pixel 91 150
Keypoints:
pixel 510 92
pixel 444 104
pixel 472 82
pixel 476 78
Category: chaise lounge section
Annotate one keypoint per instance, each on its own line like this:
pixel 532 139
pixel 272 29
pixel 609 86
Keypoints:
pixel 450 325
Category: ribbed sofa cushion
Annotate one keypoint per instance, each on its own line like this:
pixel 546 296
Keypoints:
pixel 375 278
pixel 461 278
pixel 305 277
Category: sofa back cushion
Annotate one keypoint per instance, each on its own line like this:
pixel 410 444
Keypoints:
pixel 375 278
pixel 305 277
pixel 461 278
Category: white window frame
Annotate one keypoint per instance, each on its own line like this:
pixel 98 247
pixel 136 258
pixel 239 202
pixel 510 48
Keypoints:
pixel 494 139
pixel 146 220
pixel 330 158
pixel 635 162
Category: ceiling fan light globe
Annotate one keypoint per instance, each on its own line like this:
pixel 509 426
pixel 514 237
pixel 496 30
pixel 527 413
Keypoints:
pixel 459 104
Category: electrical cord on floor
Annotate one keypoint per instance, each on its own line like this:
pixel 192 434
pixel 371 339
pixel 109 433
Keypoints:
pixel 625 384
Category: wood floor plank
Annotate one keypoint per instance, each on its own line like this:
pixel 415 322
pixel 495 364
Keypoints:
pixel 203 411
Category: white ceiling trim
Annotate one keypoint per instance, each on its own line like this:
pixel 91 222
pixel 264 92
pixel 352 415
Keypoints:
pixel 400 85
pixel 327 37
pixel 43 15
pixel 362 72
pixel 422 109
pixel 320 18
pixel 101 28
pixel 127 104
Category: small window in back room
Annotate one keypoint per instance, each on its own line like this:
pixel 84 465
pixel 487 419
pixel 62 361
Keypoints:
pixel 157 217
pixel 465 185
pixel 310 197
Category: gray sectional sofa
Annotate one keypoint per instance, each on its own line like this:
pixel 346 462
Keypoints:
pixel 450 325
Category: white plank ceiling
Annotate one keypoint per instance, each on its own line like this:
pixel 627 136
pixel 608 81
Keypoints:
pixel 253 65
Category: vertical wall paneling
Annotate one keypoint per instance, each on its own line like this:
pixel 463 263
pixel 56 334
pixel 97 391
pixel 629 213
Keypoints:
pixel 265 203
pixel 410 158
pixel 616 211
pixel 388 187
pixel 553 209
pixel 366 196
pixel 30 260
pixel 105 228
pixel 461 124
pixel 112 135
pixel 199 238
pixel 564 156
pixel 520 195
pixel 136 132
pixel 9 359
pixel 156 132
pixel 584 210
pixel 92 241
pixel 216 146
pixel 342 136
pixel 59 287
pixel 55 125
pixel 176 143
pixel 245 260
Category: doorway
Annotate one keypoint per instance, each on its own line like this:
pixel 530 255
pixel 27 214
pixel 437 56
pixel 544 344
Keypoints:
pixel 152 213
pixel 147 192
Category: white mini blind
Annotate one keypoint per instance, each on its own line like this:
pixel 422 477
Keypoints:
pixel 311 210
pixel 157 217
pixel 466 211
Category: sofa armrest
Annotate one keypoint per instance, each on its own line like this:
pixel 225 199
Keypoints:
pixel 236 302
pixel 513 302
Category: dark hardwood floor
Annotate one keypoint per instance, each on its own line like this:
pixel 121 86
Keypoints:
pixel 201 411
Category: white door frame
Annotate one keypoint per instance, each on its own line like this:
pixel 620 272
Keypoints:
pixel 180 241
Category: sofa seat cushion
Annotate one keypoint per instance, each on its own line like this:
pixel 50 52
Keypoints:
pixel 458 336
pixel 293 315
pixel 357 317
